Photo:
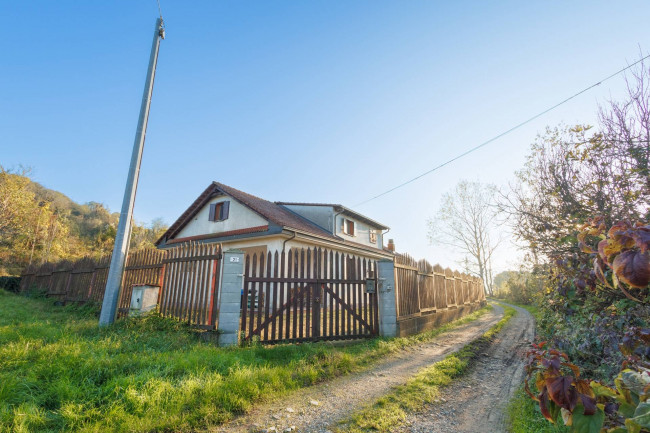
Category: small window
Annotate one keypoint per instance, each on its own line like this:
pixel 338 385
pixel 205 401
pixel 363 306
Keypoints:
pixel 373 236
pixel 219 211
pixel 349 227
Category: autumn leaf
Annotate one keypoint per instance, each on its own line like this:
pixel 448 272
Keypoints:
pixel 633 268
pixel 562 392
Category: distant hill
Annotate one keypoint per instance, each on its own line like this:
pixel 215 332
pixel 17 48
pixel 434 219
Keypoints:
pixel 40 224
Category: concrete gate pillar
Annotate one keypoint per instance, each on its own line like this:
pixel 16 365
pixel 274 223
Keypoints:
pixel 386 298
pixel 232 283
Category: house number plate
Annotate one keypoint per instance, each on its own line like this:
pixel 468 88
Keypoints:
pixel 234 260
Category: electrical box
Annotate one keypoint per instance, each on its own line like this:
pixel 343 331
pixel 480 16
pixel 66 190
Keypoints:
pixel 144 298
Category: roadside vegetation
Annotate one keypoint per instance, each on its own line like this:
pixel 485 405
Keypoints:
pixel 39 224
pixel 60 372
pixel 581 206
pixel 391 410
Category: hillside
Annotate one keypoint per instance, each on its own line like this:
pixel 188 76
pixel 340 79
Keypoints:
pixel 40 224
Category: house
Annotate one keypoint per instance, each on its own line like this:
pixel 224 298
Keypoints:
pixel 239 220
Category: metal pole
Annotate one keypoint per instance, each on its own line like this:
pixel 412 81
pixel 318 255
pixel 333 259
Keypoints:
pixel 123 236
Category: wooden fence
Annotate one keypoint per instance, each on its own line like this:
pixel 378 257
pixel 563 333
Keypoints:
pixel 308 295
pixel 187 276
pixel 423 288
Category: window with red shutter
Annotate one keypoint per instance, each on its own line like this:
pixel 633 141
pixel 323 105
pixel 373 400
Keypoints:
pixel 219 211
pixel 350 227
pixel 225 210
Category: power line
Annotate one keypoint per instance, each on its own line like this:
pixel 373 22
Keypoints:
pixel 485 143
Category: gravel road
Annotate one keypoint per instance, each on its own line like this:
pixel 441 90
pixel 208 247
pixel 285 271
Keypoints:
pixel 476 402
pixel 321 407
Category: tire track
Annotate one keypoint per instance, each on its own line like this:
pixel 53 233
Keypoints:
pixel 317 408
pixel 477 401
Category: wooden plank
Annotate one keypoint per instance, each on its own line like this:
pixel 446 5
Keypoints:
pixel 200 303
pixel 294 330
pixel 251 300
pixel 192 258
pixel 308 301
pixel 289 273
pixel 301 303
pixel 215 287
pixel 274 300
pixel 282 289
pixel 244 300
pixel 192 288
pixel 267 295
pixel 303 280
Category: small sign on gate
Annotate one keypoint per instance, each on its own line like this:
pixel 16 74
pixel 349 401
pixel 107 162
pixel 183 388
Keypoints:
pixel 370 285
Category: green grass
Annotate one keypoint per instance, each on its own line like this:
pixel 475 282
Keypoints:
pixel 525 416
pixel 60 372
pixel 391 410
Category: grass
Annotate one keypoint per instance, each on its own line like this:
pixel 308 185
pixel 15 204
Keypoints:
pixel 60 372
pixel 525 416
pixel 391 410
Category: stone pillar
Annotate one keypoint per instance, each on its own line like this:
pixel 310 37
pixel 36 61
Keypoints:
pixel 232 283
pixel 386 298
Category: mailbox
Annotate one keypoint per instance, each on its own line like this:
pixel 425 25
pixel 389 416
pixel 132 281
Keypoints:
pixel 370 285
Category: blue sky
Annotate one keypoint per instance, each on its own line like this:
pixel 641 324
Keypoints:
pixel 301 101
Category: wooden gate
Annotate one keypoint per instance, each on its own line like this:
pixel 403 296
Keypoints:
pixel 308 295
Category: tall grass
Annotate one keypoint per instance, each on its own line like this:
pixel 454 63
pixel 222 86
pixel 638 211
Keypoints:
pixel 60 372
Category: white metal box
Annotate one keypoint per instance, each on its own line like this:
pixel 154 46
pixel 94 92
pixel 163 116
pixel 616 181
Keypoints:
pixel 144 298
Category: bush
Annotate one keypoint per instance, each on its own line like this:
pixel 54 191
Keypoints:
pixel 11 284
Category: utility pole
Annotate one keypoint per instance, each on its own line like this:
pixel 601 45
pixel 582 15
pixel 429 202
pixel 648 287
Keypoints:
pixel 123 236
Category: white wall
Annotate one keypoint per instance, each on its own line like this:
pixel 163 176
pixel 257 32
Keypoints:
pixel 362 232
pixel 240 217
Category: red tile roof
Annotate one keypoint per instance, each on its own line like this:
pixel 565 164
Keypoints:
pixel 273 212
pixel 219 235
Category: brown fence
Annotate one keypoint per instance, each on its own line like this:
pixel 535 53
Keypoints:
pixel 187 276
pixel 422 288
pixel 308 295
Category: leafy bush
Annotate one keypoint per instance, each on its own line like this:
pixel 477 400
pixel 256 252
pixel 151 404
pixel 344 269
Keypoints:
pixel 11 284
pixel 590 406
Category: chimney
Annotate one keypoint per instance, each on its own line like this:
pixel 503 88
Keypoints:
pixel 391 246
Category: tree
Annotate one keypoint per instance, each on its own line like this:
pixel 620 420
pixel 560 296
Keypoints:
pixel 466 221
pixel 576 173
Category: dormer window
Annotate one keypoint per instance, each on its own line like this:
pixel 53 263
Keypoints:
pixel 349 227
pixel 219 211
pixel 373 236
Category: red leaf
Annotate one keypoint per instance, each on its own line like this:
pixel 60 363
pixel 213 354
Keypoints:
pixel 589 403
pixel 561 392
pixel 641 236
pixel 633 268
pixel 543 405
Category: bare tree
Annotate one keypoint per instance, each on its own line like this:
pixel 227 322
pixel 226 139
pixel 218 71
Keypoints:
pixel 575 173
pixel 467 221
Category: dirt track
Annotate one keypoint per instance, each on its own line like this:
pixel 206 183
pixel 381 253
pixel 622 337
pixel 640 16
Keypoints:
pixel 476 402
pixel 319 408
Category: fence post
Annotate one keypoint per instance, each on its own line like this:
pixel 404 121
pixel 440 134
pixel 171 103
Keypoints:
pixel 386 298
pixel 232 282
